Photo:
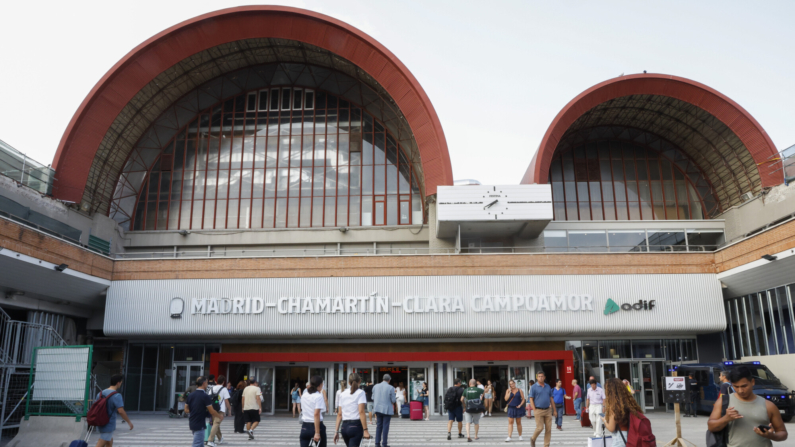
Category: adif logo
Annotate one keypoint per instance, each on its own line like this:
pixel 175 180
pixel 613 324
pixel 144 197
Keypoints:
pixel 176 307
pixel 612 307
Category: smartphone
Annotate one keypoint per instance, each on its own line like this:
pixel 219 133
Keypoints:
pixel 764 428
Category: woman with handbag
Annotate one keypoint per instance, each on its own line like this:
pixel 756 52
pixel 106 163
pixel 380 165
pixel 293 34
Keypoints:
pixel 313 405
pixel 515 408
pixel 351 416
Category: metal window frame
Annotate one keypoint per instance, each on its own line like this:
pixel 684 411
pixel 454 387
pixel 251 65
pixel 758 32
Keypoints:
pixel 772 321
pixel 781 320
pixel 729 328
pixel 764 324
pixel 747 327
pixel 739 330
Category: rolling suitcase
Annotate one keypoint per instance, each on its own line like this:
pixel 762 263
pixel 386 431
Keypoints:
pixel 405 411
pixel 82 442
pixel 585 420
pixel 416 410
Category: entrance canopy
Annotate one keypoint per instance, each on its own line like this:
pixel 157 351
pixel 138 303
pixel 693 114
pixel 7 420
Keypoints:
pixel 722 139
pixel 140 88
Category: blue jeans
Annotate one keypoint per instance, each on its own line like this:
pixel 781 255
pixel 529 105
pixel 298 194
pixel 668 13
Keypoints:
pixel 559 419
pixel 352 433
pixel 382 428
pixel 578 407
pixel 198 439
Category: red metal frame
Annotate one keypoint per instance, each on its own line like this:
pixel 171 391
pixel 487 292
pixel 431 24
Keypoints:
pixel 747 129
pixel 566 358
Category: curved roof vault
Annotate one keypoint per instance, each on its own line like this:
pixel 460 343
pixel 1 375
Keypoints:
pixel 727 144
pixel 148 80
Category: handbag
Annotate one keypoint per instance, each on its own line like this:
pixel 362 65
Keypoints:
pixel 475 406
pixel 720 438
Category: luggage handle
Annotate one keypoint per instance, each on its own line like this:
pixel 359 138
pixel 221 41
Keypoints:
pixel 369 442
pixel 89 432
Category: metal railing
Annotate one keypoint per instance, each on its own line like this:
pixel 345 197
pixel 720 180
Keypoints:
pixel 20 337
pixel 28 172
pixel 398 251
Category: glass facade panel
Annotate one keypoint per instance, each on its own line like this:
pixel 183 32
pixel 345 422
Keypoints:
pixel 624 179
pixel 666 240
pixel 588 241
pixel 627 240
pixel 614 349
pixel 647 349
pixel 301 148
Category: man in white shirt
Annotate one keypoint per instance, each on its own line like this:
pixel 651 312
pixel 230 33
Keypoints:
pixel 220 397
pixel 595 403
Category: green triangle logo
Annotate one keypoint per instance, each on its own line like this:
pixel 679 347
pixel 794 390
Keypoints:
pixel 611 307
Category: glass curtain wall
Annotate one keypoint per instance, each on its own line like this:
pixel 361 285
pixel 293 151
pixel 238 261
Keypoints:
pixel 282 157
pixel 632 240
pixel 760 323
pixel 622 180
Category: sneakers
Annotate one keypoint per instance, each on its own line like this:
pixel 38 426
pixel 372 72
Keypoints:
pixel 210 444
pixel 461 435
pixel 508 439
pixel 449 437
pixel 251 434
pixel 520 438
pixel 220 441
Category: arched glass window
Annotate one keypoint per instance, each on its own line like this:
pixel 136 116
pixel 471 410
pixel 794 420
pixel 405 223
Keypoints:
pixel 623 180
pixel 281 157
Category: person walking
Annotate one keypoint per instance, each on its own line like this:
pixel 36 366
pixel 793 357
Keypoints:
pixel 598 385
pixel 695 396
pixel 340 389
pixel 400 397
pixel 368 391
pixel 746 413
pixel 488 397
pixel 543 405
pixel 295 395
pixel 237 407
pixel 515 407
pixel 199 408
pixel 559 398
pixel 576 394
pixel 220 397
pixel 313 405
pixel 114 405
pixel 594 401
pixel 472 401
pixel 252 406
pixel 455 412
pixel 351 414
pixel 725 386
pixel 384 406
pixel 423 395
pixel 618 407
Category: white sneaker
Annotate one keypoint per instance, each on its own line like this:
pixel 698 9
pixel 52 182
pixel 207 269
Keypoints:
pixel 520 438
pixel 508 439
pixel 219 441
pixel 210 444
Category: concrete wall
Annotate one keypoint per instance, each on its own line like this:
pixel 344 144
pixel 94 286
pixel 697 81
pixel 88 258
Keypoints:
pixel 434 243
pixel 782 366
pixel 778 203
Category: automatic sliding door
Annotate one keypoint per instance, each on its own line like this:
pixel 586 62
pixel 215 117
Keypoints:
pixel 417 376
pixel 649 394
pixel 266 378
pixel 519 375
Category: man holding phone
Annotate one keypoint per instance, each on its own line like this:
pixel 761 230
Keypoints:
pixel 752 420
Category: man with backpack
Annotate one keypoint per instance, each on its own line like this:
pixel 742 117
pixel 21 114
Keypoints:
pixel 472 399
pixel 455 412
pixel 200 407
pixel 103 413
pixel 220 398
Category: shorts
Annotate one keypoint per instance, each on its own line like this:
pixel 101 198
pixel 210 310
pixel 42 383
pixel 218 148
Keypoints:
pixel 251 416
pixel 487 396
pixel 296 400
pixel 472 418
pixel 106 436
pixel 456 415
pixel 369 407
pixel 424 401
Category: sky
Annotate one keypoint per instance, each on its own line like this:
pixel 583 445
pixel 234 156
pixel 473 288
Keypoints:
pixel 497 72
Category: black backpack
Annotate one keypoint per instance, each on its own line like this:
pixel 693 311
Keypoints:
pixel 721 438
pixel 449 399
pixel 215 396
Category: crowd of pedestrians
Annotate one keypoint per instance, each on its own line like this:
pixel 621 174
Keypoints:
pixel 739 417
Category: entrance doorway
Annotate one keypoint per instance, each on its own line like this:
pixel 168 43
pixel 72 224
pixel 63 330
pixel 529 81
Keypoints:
pixel 185 375
pixel 498 374
pixel 285 379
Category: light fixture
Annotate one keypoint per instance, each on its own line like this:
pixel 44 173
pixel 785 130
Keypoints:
pixel 343 229
pixel 770 257
pixel 13 295
pixel 61 267
pixel 184 232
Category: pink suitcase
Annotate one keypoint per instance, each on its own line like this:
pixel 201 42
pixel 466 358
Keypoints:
pixel 415 408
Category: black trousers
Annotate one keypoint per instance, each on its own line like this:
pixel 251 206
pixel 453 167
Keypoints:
pixel 693 406
pixel 352 433
pixel 308 432
pixel 240 426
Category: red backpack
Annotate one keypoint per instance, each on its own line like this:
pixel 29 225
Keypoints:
pixel 98 414
pixel 640 434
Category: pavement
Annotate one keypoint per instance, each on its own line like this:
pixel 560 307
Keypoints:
pixel 283 430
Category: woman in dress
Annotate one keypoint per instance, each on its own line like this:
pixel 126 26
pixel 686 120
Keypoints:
pixel 295 393
pixel 423 395
pixel 488 397
pixel 400 398
pixel 515 398
pixel 618 406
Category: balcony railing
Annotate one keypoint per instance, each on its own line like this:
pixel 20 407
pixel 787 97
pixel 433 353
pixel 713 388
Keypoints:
pixel 20 168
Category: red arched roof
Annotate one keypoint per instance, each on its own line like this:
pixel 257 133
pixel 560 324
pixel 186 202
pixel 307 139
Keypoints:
pixel 747 129
pixel 140 66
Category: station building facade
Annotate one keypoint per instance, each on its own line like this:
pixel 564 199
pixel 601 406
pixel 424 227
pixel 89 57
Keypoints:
pixel 275 192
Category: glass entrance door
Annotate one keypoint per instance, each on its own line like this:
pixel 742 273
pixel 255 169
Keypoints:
pixel 417 376
pixel 464 374
pixel 649 393
pixel 266 379
pixel 519 375
pixel 185 375
pixel 609 371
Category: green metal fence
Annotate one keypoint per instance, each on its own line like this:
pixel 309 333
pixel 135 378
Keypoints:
pixel 59 382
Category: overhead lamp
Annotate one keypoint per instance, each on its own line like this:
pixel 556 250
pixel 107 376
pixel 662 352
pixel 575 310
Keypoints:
pixel 184 232
pixel 343 229
pixel 61 267
pixel 770 257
